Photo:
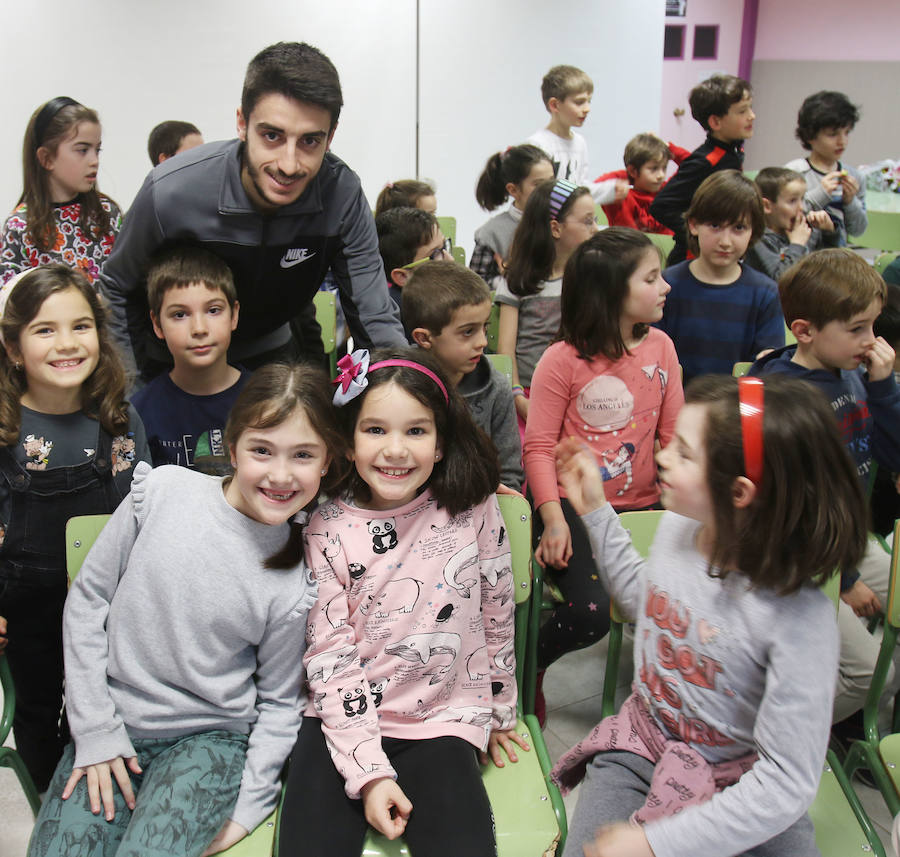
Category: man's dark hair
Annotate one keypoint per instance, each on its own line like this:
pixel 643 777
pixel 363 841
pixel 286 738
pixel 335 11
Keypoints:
pixel 296 70
pixel 166 137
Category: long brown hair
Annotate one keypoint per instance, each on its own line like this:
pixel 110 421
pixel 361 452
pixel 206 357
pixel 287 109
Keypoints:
pixel 95 221
pixel 271 395
pixel 102 393
pixel 808 517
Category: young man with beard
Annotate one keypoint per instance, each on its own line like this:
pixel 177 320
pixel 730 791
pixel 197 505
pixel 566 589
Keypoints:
pixel 277 206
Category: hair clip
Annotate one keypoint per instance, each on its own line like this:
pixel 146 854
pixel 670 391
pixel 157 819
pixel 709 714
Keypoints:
pixel 354 368
pixel 750 397
pixel 351 377
pixel 389 186
pixel 561 191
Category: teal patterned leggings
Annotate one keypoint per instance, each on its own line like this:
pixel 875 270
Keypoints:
pixel 187 789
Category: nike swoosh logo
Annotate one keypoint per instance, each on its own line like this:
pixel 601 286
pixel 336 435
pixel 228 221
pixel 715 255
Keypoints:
pixel 289 263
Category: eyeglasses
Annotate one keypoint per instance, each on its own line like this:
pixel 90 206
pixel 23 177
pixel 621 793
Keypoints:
pixel 435 255
pixel 750 398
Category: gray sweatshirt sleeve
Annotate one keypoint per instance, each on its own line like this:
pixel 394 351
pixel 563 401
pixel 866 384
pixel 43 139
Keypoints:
pixel 619 564
pixel 279 708
pixel 373 318
pixel 97 728
pixel 772 257
pixel 505 433
pixel 791 736
pixel 855 216
pixel 120 280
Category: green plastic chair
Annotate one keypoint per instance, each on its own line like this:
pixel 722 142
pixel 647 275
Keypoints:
pixel 740 369
pixel 884 259
pixel 81 532
pixel 503 364
pixel 529 815
pixel 326 315
pixel 600 214
pixel 448 227
pixel 9 757
pixel 882 755
pixel 841 824
pixel 882 233
pixel 493 328
pixel 664 243
pixel 458 254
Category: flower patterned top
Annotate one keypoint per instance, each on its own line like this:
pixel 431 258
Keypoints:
pixel 72 246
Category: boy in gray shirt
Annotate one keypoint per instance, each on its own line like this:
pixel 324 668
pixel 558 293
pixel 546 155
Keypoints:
pixel 446 308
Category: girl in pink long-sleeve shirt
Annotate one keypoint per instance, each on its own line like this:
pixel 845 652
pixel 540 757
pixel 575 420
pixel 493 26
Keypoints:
pixel 613 382
pixel 410 660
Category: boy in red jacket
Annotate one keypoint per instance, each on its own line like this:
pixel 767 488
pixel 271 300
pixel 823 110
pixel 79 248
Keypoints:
pixel 646 158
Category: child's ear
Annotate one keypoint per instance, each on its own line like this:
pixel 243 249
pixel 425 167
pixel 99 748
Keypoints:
pixel 553 105
pixel 13 353
pixel 231 452
pixel 555 230
pixel 692 227
pixel 154 319
pixel 45 158
pixel 767 205
pixel 632 173
pixel 802 330
pixel 400 277
pixel 714 122
pixel 512 189
pixel 743 492
pixel 235 311
pixel 422 337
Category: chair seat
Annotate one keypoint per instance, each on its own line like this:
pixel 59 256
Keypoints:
pixel 259 843
pixel 889 750
pixel 523 813
pixel 838 831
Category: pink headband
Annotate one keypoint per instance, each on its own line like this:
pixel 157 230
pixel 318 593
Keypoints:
pixel 353 368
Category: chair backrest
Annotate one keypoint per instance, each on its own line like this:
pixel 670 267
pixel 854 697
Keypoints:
pixel 740 369
pixel 459 254
pixel 326 315
pixel 665 243
pixel 81 533
pixel 892 610
pixel 493 328
pixel 448 227
pixel 641 527
pixel 9 700
pixel 884 259
pixel 516 513
pixel 503 364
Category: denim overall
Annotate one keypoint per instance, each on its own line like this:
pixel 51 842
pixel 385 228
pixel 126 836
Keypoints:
pixel 33 586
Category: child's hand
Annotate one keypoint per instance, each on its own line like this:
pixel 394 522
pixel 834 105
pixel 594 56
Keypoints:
pixel 831 182
pixel 3 638
pixel 555 546
pixel 579 476
pixel 387 808
pixel 504 738
pixel 619 840
pixel 863 601
pixel 99 783
pixel 230 833
pixel 850 186
pixel 820 219
pixel 800 231
pixel 879 360
pixel 622 188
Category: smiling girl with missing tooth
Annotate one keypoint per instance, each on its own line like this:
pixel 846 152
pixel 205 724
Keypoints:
pixel 410 663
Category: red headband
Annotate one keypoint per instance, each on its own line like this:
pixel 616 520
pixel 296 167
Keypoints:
pixel 750 396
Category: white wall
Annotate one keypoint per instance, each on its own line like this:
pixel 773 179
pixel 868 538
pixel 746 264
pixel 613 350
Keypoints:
pixel 139 63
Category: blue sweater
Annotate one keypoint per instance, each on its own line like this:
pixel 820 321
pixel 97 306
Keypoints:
pixel 714 327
